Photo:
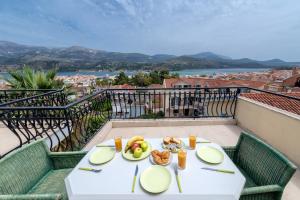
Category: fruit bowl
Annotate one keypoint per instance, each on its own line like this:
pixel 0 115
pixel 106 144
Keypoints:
pixel 129 155
pixel 137 149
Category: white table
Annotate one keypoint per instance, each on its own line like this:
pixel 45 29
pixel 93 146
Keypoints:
pixel 115 181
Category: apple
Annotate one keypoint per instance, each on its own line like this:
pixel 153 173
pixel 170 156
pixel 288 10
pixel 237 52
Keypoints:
pixel 137 152
pixel 144 146
pixel 134 146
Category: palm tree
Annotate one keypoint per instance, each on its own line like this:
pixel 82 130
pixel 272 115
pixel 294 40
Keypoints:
pixel 28 78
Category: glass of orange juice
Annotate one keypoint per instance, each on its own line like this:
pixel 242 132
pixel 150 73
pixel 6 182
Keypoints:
pixel 192 140
pixel 181 159
pixel 118 143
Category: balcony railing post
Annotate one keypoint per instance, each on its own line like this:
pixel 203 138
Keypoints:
pixel 238 91
pixel 68 114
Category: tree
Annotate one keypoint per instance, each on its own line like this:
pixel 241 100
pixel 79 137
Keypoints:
pixel 103 82
pixel 141 79
pixel 121 79
pixel 27 78
pixel 155 77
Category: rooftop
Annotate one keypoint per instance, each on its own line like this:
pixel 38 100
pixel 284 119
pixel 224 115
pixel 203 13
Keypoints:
pixel 206 82
pixel 290 105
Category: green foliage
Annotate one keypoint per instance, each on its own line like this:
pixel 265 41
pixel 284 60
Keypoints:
pixel 27 78
pixel 103 82
pixel 161 75
pixel 103 106
pixel 151 115
pixel 94 123
pixel 121 79
pixel 142 79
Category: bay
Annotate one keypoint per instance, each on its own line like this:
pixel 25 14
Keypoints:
pixel 187 72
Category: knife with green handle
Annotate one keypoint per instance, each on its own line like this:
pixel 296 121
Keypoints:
pixel 219 170
pixel 178 180
pixel 104 145
pixel 134 178
pixel 202 142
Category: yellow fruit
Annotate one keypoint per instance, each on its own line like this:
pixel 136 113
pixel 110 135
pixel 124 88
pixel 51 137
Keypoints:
pixel 133 140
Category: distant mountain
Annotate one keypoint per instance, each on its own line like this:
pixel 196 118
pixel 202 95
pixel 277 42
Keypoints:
pixel 244 60
pixel 274 62
pixel 10 49
pixel 162 57
pixel 13 55
pixel 209 56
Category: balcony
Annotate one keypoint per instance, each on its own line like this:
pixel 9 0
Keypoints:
pixel 216 114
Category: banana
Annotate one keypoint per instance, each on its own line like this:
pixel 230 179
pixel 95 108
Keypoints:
pixel 133 140
pixel 139 142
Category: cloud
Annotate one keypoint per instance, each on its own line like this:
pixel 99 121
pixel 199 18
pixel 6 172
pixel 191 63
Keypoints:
pixel 259 29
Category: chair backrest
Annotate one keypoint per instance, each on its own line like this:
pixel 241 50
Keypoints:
pixel 264 164
pixel 23 168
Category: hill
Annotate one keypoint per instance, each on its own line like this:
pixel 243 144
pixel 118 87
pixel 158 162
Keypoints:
pixel 13 55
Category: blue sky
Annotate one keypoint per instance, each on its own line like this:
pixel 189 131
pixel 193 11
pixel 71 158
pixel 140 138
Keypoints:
pixel 259 29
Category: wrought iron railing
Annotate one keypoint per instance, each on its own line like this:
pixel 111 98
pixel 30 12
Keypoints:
pixel 66 126
pixel 173 103
pixel 14 94
pixel 70 125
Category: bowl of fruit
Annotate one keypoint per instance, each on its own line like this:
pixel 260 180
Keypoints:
pixel 137 149
pixel 172 144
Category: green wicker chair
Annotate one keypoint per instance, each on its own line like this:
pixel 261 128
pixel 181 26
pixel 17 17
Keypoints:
pixel 34 173
pixel 266 170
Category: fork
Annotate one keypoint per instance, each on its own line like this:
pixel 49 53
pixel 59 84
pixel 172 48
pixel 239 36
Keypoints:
pixel 90 169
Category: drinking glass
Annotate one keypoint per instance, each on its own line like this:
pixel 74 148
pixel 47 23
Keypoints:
pixel 118 143
pixel 192 140
pixel 181 159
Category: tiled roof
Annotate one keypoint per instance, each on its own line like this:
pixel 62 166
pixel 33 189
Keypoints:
pixel 205 82
pixel 124 86
pixel 283 103
pixel 155 86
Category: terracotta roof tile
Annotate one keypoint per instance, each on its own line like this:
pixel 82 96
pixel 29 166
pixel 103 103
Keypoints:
pixel 155 86
pixel 283 103
pixel 206 82
pixel 124 86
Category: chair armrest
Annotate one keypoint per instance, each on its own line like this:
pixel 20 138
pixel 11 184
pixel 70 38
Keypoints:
pixel 230 151
pixel 31 197
pixel 262 189
pixel 63 160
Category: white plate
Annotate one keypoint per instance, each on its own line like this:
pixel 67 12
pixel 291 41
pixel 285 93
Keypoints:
pixel 210 155
pixel 156 179
pixel 102 155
